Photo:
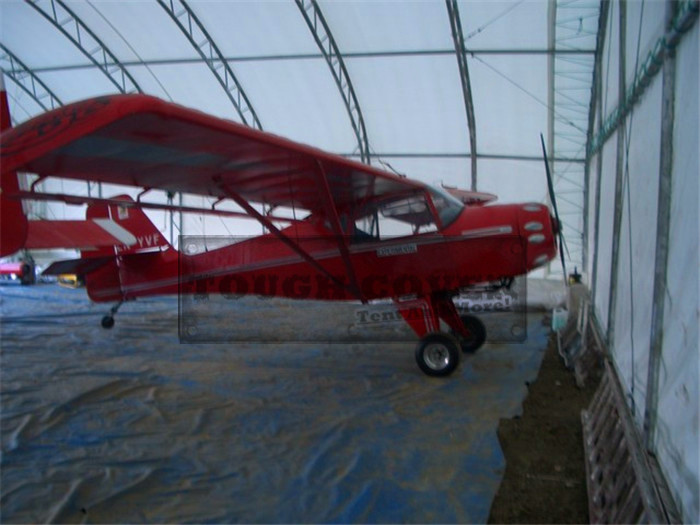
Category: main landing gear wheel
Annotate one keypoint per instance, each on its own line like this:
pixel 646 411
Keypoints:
pixel 477 334
pixel 437 354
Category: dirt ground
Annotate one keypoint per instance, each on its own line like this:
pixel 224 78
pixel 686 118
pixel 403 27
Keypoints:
pixel 545 480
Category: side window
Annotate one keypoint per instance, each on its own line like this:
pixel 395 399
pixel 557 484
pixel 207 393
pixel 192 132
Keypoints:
pixel 406 216
pixel 390 227
pixel 398 217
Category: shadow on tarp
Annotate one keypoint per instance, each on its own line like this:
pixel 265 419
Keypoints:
pixel 216 319
pixel 128 425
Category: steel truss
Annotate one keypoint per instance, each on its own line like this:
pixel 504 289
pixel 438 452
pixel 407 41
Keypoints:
pixel 575 29
pixel 73 28
pixel 460 52
pixel 204 44
pixel 31 84
pixel 27 80
pixel 326 43
pixel 194 30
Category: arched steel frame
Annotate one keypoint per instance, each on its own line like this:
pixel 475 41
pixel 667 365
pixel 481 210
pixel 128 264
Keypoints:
pixel 27 80
pixel 73 28
pixel 460 51
pixel 326 43
pixel 192 28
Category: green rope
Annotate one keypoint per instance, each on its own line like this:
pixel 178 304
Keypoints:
pixel 686 15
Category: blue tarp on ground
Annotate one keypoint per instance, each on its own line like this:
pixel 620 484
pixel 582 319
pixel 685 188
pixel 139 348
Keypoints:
pixel 129 425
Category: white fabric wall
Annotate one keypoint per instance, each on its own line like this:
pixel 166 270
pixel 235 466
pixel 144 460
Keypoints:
pixel 676 440
pixel 611 52
pixel 635 273
pixel 591 209
pixel 605 218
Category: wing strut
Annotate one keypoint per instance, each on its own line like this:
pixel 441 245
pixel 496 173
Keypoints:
pixel 281 236
pixel 332 213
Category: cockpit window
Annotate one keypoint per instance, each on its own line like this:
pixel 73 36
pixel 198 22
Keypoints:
pixel 406 215
pixel 447 206
pixel 413 210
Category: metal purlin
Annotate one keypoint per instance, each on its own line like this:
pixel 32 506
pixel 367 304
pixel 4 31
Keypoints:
pixel 326 43
pixel 27 80
pixel 201 40
pixel 276 57
pixel 73 28
pixel 460 52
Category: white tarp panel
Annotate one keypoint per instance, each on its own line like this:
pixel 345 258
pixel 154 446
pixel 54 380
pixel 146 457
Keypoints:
pixel 592 215
pixel 611 52
pixel 677 438
pixel 605 218
pixel 635 272
pixel 651 16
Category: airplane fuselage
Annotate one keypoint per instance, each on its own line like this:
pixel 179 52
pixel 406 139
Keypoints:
pixel 483 244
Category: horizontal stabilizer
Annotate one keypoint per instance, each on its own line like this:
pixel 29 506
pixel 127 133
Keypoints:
pixel 77 266
pixel 80 235
pixel 86 265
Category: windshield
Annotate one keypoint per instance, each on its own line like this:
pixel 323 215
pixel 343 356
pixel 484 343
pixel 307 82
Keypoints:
pixel 447 206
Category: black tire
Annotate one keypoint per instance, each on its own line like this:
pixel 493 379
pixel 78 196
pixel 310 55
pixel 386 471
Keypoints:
pixel 477 334
pixel 107 322
pixel 437 354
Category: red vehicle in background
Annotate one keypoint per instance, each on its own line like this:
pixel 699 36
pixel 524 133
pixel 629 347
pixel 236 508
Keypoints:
pixel 24 271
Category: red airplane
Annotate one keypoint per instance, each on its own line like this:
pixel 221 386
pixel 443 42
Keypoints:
pixel 367 234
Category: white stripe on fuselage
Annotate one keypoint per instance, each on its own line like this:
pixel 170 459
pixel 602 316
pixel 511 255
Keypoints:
pixel 320 256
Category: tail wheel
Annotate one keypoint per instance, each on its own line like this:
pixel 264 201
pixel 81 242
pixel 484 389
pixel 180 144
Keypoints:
pixel 477 334
pixel 437 354
pixel 27 274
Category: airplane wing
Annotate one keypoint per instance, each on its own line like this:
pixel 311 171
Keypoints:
pixel 142 141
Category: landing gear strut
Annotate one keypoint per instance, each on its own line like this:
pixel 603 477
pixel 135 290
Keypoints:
pixel 108 320
pixel 477 334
